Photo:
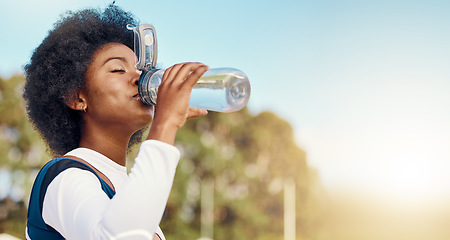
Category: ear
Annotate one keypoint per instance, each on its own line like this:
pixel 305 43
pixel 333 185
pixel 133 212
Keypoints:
pixel 77 101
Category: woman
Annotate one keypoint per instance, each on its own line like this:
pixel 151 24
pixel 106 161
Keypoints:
pixel 82 97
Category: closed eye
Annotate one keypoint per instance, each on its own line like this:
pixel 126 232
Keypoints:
pixel 118 70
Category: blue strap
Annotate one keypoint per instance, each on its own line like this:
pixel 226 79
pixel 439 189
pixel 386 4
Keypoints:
pixel 37 228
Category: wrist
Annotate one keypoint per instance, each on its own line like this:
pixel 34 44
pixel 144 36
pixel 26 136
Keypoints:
pixel 162 132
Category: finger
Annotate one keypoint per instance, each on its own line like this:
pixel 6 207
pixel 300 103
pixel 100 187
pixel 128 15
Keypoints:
pixel 196 74
pixel 196 112
pixel 171 72
pixel 186 70
pixel 166 74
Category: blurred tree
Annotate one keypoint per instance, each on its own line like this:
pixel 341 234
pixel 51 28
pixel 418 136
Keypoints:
pixel 246 157
pixel 22 153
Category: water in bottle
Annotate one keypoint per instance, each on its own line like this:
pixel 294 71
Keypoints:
pixel 219 89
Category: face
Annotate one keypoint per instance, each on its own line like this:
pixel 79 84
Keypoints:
pixel 111 91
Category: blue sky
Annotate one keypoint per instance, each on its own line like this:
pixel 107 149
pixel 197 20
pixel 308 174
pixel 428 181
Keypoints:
pixel 365 84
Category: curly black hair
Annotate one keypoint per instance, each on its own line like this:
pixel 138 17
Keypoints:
pixel 58 66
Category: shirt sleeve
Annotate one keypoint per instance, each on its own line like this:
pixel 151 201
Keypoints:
pixel 77 208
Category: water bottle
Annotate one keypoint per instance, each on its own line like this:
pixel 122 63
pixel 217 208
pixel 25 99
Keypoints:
pixel 219 89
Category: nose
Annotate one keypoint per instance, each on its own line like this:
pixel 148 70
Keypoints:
pixel 135 79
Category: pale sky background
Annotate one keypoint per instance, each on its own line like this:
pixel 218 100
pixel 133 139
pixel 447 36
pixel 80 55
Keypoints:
pixel 365 84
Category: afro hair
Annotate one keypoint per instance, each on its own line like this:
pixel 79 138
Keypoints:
pixel 57 70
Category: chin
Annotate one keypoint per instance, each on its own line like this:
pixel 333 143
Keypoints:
pixel 147 118
pixel 142 116
pixel 148 112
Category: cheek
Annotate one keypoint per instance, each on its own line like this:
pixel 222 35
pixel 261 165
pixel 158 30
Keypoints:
pixel 106 100
pixel 103 101
pixel 106 91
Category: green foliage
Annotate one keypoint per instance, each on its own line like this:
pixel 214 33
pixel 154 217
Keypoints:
pixel 22 153
pixel 21 147
pixel 247 157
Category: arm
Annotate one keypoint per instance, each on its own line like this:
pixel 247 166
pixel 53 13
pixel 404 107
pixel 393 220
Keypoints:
pixel 76 206
pixel 172 104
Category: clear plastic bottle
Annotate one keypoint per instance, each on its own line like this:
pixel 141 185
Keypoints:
pixel 219 89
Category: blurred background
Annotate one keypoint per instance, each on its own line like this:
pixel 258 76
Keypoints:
pixel 345 136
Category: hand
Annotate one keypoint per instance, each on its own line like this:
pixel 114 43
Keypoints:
pixel 172 104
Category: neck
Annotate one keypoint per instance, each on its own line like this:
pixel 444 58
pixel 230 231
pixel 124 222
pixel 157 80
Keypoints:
pixel 111 142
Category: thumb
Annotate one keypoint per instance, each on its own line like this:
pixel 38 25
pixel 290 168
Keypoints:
pixel 196 112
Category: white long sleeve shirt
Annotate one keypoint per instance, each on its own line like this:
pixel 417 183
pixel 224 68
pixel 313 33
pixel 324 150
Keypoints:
pixel 76 206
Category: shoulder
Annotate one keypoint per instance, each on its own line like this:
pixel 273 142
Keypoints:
pixel 74 192
pixel 66 178
pixel 56 167
pixel 70 186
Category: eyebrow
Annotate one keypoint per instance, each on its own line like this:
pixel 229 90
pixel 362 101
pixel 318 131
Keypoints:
pixel 112 58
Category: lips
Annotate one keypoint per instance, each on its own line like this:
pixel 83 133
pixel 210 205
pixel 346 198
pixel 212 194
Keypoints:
pixel 136 97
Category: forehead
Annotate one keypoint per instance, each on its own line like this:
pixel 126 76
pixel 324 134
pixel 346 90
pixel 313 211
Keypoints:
pixel 111 50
